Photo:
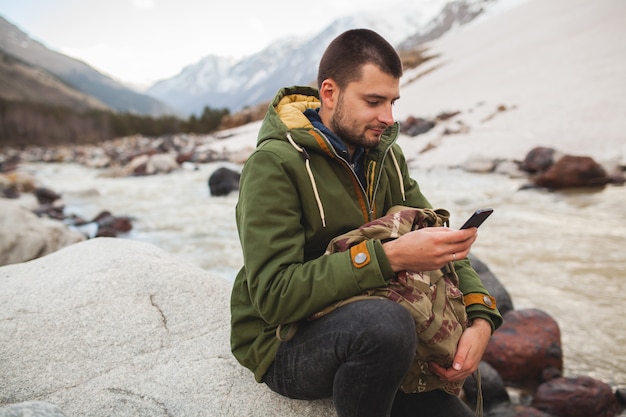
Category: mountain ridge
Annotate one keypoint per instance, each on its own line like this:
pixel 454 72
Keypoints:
pixel 290 61
pixel 77 74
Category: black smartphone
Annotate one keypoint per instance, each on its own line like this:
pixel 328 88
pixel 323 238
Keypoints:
pixel 477 218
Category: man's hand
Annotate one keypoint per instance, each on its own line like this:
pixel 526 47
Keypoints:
pixel 429 248
pixel 472 346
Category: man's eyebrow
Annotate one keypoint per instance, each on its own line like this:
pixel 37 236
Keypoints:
pixel 380 97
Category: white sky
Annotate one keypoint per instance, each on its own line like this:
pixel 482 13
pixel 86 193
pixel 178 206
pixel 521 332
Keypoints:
pixel 142 41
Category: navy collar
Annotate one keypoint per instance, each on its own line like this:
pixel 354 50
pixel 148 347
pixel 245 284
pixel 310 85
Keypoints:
pixel 357 161
pixel 340 147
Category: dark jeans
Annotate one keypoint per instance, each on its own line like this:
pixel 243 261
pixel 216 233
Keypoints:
pixel 359 355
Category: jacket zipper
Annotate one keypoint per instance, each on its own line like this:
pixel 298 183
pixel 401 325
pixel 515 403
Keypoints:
pixel 350 168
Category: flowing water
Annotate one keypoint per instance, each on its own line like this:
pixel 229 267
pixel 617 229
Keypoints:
pixel 561 252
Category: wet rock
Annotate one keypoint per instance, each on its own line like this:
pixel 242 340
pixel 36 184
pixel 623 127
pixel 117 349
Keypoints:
pixel 51 211
pixel 539 159
pixel 620 393
pixel 46 195
pixel 576 397
pixel 492 386
pixel 526 345
pixel 493 285
pixel 223 181
pixel 573 171
pixel 110 225
pixel 414 126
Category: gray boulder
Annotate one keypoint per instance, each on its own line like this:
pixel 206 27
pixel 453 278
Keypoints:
pixel 24 236
pixel 113 327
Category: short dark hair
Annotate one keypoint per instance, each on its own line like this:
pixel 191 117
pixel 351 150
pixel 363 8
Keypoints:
pixel 347 53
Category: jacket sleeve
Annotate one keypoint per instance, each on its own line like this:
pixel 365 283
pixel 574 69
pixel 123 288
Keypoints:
pixel 469 281
pixel 471 284
pixel 272 214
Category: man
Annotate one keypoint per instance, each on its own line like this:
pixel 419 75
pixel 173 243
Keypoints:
pixel 326 163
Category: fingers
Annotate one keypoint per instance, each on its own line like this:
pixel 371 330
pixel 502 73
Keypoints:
pixel 470 350
pixel 429 248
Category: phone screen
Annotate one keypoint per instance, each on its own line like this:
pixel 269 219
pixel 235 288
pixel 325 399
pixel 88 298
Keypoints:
pixel 477 218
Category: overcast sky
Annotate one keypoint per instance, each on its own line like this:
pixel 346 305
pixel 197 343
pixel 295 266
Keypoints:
pixel 142 41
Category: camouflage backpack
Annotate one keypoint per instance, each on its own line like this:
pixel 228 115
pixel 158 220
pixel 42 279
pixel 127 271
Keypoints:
pixel 432 297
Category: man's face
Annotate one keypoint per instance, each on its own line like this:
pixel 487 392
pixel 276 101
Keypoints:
pixel 364 108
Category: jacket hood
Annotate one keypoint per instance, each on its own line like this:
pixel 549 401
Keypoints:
pixel 286 112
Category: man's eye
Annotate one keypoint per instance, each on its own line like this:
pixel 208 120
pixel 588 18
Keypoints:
pixel 373 102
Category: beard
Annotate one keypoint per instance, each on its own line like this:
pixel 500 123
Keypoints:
pixel 348 130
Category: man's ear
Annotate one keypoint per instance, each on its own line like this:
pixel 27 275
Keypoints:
pixel 329 92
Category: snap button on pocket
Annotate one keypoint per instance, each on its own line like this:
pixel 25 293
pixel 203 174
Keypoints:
pixel 360 257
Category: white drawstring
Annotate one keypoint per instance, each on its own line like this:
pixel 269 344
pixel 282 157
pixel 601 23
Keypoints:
pixel 307 163
pixel 395 163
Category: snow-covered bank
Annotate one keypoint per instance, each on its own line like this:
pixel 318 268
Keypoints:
pixel 554 67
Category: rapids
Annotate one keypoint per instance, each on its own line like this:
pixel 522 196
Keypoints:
pixel 561 252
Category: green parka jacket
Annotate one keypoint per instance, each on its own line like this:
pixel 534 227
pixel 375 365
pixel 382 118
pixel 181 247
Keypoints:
pixel 296 194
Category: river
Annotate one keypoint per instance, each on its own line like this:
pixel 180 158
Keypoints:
pixel 561 252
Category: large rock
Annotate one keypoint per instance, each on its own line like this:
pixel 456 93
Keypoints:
pixel 573 171
pixel 540 159
pixel 491 388
pixel 223 181
pixel 24 236
pixel 580 396
pixel 113 327
pixel 526 349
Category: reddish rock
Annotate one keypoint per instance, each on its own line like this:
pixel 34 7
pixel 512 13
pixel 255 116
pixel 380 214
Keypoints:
pixel 121 224
pixel 110 225
pixel 184 157
pixel 573 171
pixel 526 348
pixel 576 397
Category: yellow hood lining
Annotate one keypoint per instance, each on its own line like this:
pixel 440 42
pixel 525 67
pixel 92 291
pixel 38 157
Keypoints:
pixel 291 109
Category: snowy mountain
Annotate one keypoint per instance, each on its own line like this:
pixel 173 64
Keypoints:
pixel 77 75
pixel 220 82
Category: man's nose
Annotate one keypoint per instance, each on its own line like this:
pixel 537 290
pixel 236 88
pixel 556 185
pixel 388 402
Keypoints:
pixel 386 115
